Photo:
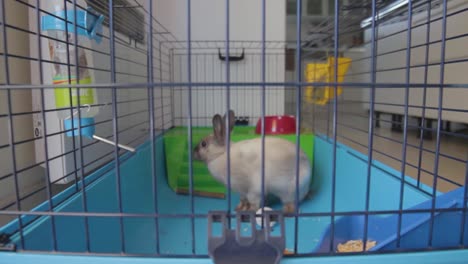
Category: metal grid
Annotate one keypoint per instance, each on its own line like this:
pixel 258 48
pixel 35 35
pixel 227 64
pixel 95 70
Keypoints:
pixel 408 124
pixel 133 110
pixel 161 87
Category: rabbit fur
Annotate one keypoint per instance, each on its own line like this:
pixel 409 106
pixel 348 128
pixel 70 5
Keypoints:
pixel 245 156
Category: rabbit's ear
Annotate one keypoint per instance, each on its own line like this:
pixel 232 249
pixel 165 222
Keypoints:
pixel 218 129
pixel 232 120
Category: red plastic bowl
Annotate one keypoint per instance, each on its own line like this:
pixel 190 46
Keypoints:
pixel 277 125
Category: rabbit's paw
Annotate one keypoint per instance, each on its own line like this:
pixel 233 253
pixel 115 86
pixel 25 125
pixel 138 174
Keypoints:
pixel 289 208
pixel 243 205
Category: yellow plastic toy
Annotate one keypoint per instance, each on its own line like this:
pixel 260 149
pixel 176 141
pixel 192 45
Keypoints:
pixel 323 73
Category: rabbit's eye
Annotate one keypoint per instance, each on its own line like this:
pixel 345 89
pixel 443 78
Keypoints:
pixel 203 143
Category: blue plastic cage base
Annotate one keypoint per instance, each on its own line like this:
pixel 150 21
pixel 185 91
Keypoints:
pixel 434 257
pixel 175 233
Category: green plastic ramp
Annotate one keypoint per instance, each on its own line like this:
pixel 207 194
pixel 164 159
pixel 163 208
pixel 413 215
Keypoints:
pixel 177 163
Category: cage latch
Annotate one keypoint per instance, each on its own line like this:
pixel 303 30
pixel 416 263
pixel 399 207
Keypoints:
pixel 264 246
pixel 5 243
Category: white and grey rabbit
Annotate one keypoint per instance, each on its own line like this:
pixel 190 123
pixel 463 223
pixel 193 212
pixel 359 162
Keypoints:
pixel 280 166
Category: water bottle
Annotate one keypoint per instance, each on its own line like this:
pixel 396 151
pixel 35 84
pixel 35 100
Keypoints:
pixel 62 52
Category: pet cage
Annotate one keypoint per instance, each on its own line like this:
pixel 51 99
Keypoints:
pixel 160 71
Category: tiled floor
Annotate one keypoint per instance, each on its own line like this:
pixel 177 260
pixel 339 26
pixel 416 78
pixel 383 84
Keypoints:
pixel 353 131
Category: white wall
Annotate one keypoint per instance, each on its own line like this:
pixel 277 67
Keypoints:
pixel 244 100
pixel 455 73
pixel 353 95
pixel 209 24
pixel 209 19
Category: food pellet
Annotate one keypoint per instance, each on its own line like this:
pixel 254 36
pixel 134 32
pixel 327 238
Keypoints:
pixel 355 246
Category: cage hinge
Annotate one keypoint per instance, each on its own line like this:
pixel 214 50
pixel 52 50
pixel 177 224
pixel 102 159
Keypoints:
pixel 5 243
pixel 260 246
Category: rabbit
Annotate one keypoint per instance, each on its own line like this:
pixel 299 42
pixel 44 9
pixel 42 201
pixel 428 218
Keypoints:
pixel 280 164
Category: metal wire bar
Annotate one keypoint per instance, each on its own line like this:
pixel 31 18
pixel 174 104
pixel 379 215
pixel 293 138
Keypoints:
pixel 204 215
pixel 228 108
pixel 263 113
pixel 236 84
pixel 215 54
pixel 172 77
pixel 70 92
pixel 115 123
pixel 82 171
pixel 405 124
pixel 152 127
pixel 373 79
pixel 190 147
pixel 161 80
pixel 439 118
pixel 463 217
pixel 46 149
pixel 298 124
pixel 175 256
pixel 335 121
pixel 240 43
pixel 299 255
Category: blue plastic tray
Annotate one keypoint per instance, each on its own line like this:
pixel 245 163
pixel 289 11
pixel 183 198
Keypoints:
pixel 175 233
